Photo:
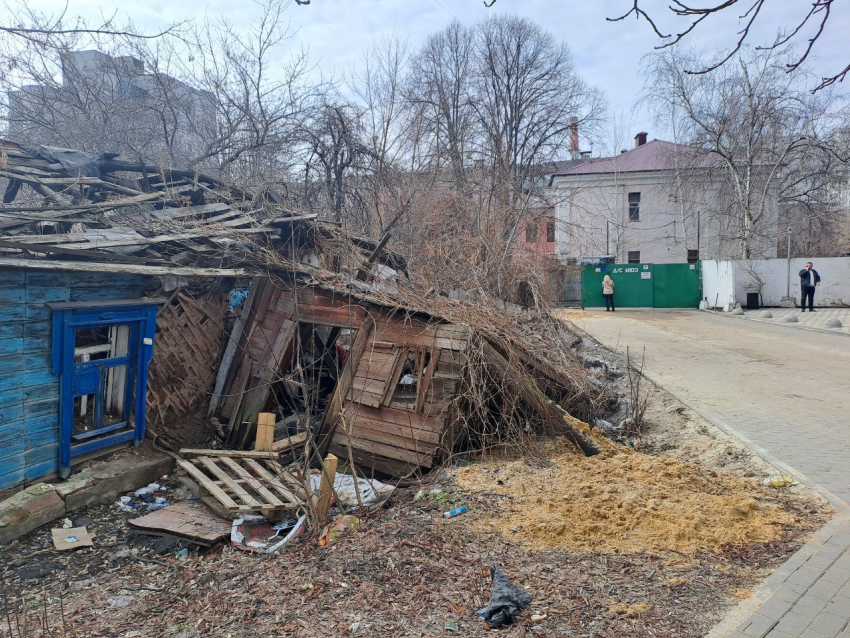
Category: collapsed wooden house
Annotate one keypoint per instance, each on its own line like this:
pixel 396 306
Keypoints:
pixel 115 285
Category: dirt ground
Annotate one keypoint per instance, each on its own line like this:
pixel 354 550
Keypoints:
pixel 658 539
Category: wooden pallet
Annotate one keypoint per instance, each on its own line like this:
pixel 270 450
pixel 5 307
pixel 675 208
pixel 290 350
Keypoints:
pixel 239 485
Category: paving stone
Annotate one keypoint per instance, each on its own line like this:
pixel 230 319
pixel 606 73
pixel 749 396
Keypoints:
pixel 757 625
pixel 840 606
pixel 828 624
pixel 794 623
pixel 838 575
pixel 824 589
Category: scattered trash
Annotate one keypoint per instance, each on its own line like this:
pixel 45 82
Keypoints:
pixel 455 512
pixel 119 601
pixel 506 601
pixel 183 554
pixel 71 538
pixel 452 626
pixel 780 481
pixel 371 491
pixel 253 533
pixel 539 617
pixel 67 524
pixel 422 493
pixel 336 528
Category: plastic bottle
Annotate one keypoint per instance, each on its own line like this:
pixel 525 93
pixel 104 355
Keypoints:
pixel 455 512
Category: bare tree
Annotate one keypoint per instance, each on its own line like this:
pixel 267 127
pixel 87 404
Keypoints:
pixel 439 87
pixel 812 23
pixel 757 125
pixel 212 97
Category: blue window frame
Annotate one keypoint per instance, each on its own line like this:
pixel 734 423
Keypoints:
pixel 103 388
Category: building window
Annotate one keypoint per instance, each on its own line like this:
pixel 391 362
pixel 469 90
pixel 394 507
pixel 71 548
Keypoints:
pixel 550 231
pixel 693 256
pixel 634 207
pixel 531 232
pixel 634 256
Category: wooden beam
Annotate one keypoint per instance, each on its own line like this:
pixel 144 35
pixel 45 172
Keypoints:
pixel 140 269
pixel 265 432
pixel 190 453
pixel 326 489
pixel 552 414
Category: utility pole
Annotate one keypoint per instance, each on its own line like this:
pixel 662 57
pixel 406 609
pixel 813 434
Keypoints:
pixel 788 301
pixel 607 234
pixel 698 232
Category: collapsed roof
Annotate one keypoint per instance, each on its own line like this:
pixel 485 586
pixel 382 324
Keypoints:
pixel 67 209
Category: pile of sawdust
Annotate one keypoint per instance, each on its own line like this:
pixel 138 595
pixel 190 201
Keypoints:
pixel 623 502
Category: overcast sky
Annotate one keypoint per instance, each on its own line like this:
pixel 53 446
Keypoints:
pixel 607 54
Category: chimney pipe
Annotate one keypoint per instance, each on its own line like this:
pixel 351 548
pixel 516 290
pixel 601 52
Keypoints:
pixel 640 139
pixel 574 154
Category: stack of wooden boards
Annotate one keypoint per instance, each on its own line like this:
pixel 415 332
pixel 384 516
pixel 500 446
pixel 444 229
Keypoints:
pixel 235 482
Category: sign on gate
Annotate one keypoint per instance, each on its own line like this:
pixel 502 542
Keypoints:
pixel 643 285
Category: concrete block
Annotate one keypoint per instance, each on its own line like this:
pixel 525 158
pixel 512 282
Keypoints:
pixel 833 323
pixel 790 319
pixel 28 510
pixel 74 484
pixel 766 314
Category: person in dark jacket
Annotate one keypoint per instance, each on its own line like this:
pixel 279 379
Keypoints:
pixel 809 280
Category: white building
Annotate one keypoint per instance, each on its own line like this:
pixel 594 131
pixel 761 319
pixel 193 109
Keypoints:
pixel 657 203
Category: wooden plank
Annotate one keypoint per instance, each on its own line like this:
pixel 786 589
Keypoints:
pixel 264 474
pixel 382 449
pixel 415 434
pixel 225 478
pixel 422 388
pixel 271 499
pixel 405 442
pixel 265 431
pixel 289 443
pixel 326 488
pixel 208 485
pixel 140 269
pixel 189 453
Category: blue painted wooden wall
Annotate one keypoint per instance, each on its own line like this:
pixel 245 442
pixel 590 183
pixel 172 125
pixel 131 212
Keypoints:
pixel 29 392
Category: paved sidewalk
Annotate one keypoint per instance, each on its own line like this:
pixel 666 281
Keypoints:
pixel 817 320
pixel 784 392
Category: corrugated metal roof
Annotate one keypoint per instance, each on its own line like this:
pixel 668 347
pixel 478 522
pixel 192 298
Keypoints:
pixel 656 155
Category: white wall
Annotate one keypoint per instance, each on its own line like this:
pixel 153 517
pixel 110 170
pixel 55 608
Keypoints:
pixel 718 282
pixel 729 281
pixel 833 291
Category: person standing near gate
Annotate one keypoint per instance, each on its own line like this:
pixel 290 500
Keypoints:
pixel 608 292
pixel 809 279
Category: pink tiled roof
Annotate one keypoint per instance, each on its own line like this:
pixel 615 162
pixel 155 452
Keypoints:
pixel 656 155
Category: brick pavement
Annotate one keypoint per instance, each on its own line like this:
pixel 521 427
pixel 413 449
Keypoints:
pixel 783 392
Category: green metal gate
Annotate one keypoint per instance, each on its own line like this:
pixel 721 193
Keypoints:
pixel 643 285
pixel 676 285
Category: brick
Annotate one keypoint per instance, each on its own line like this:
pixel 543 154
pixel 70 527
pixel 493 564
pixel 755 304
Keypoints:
pixel 42 502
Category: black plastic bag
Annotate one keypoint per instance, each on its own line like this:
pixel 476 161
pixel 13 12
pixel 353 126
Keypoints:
pixel 506 601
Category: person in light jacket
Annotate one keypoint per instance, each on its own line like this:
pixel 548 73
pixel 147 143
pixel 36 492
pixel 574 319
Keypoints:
pixel 608 293
pixel 809 279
